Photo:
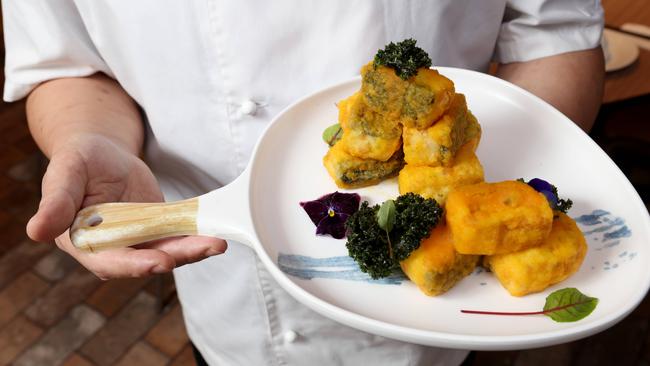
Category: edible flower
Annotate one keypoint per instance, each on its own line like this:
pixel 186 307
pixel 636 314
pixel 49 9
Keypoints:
pixel 330 212
pixel 550 192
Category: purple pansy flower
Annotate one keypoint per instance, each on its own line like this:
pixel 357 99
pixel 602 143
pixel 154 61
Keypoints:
pixel 546 189
pixel 330 212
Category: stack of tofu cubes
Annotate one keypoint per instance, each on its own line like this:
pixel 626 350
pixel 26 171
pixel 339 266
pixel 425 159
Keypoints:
pixel 419 128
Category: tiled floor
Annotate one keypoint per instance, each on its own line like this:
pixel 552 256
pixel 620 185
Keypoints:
pixel 52 311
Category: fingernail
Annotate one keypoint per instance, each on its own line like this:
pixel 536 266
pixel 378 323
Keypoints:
pixel 159 269
pixel 213 251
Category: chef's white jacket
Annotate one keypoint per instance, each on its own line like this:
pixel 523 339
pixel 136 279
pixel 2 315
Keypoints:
pixel 211 74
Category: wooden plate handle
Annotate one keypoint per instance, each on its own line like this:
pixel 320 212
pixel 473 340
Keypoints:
pixel 115 225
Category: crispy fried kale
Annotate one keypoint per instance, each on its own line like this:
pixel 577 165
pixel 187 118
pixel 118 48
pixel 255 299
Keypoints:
pixel 404 57
pixel 368 244
pixel 415 218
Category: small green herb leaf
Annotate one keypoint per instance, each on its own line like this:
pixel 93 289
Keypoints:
pixel 569 305
pixel 386 215
pixel 332 134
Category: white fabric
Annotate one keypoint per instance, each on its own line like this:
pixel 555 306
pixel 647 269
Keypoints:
pixel 211 74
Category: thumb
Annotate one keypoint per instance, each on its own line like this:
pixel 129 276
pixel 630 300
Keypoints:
pixel 63 189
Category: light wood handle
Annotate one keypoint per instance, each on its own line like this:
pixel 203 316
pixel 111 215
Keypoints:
pixel 116 225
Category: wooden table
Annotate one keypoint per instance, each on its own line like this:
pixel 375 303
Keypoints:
pixel 632 81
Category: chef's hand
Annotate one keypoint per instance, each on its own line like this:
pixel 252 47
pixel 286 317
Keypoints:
pixel 92 169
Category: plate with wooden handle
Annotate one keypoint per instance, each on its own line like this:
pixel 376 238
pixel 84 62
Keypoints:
pixel 523 137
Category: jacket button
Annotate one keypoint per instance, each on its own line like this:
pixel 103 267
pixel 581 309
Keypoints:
pixel 248 107
pixel 290 336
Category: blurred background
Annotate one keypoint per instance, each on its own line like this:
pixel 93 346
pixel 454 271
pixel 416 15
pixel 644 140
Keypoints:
pixel 53 312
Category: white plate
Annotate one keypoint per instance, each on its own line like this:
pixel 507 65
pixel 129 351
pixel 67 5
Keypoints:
pixel 619 49
pixel 522 137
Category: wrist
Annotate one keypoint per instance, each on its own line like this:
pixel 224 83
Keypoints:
pixel 81 141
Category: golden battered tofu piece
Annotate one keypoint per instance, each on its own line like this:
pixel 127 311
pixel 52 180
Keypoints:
pixel 429 95
pixel 417 102
pixel 437 182
pixel 435 266
pixel 473 129
pixel 383 90
pixel 497 218
pixel 366 133
pixel 534 269
pixel 438 144
pixel 350 172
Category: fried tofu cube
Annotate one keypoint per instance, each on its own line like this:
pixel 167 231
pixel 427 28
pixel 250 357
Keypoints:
pixel 382 90
pixel 429 95
pixel 350 172
pixel 435 266
pixel 438 144
pixel 417 102
pixel 366 133
pixel 497 218
pixel 534 269
pixel 437 182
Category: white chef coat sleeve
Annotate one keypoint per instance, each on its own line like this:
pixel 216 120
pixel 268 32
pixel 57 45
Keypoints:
pixel 538 28
pixel 45 40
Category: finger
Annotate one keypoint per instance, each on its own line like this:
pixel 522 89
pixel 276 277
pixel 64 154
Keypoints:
pixel 62 195
pixel 189 249
pixel 120 263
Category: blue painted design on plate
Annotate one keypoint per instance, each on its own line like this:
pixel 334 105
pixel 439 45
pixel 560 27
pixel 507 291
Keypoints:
pixel 599 226
pixel 340 267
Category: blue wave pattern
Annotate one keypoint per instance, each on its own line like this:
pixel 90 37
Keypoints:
pixel 608 231
pixel 598 226
pixel 341 268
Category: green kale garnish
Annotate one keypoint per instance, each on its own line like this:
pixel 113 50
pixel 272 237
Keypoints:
pixel 562 205
pixel 404 57
pixel 370 246
pixel 367 242
pixel 415 218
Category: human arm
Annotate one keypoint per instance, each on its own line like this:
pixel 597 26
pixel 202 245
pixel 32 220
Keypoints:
pixel 92 132
pixel 571 82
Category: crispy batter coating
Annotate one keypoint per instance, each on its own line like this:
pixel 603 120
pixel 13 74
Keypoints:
pixel 534 269
pixel 417 102
pixel 427 98
pixel 435 266
pixel 350 172
pixel 437 182
pixel 366 133
pixel 438 144
pixel 497 218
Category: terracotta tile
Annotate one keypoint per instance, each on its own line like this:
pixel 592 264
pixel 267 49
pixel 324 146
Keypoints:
pixel 21 258
pixel 142 354
pixel 13 233
pixel 27 169
pixel 162 287
pixel 185 357
pixel 622 344
pixel 26 144
pixel 56 265
pixel 15 337
pixel 122 330
pixel 14 113
pixel 169 335
pixel 64 338
pixel 9 156
pixel 18 294
pixel 559 355
pixel 73 289
pixel 112 295
pixel 76 360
